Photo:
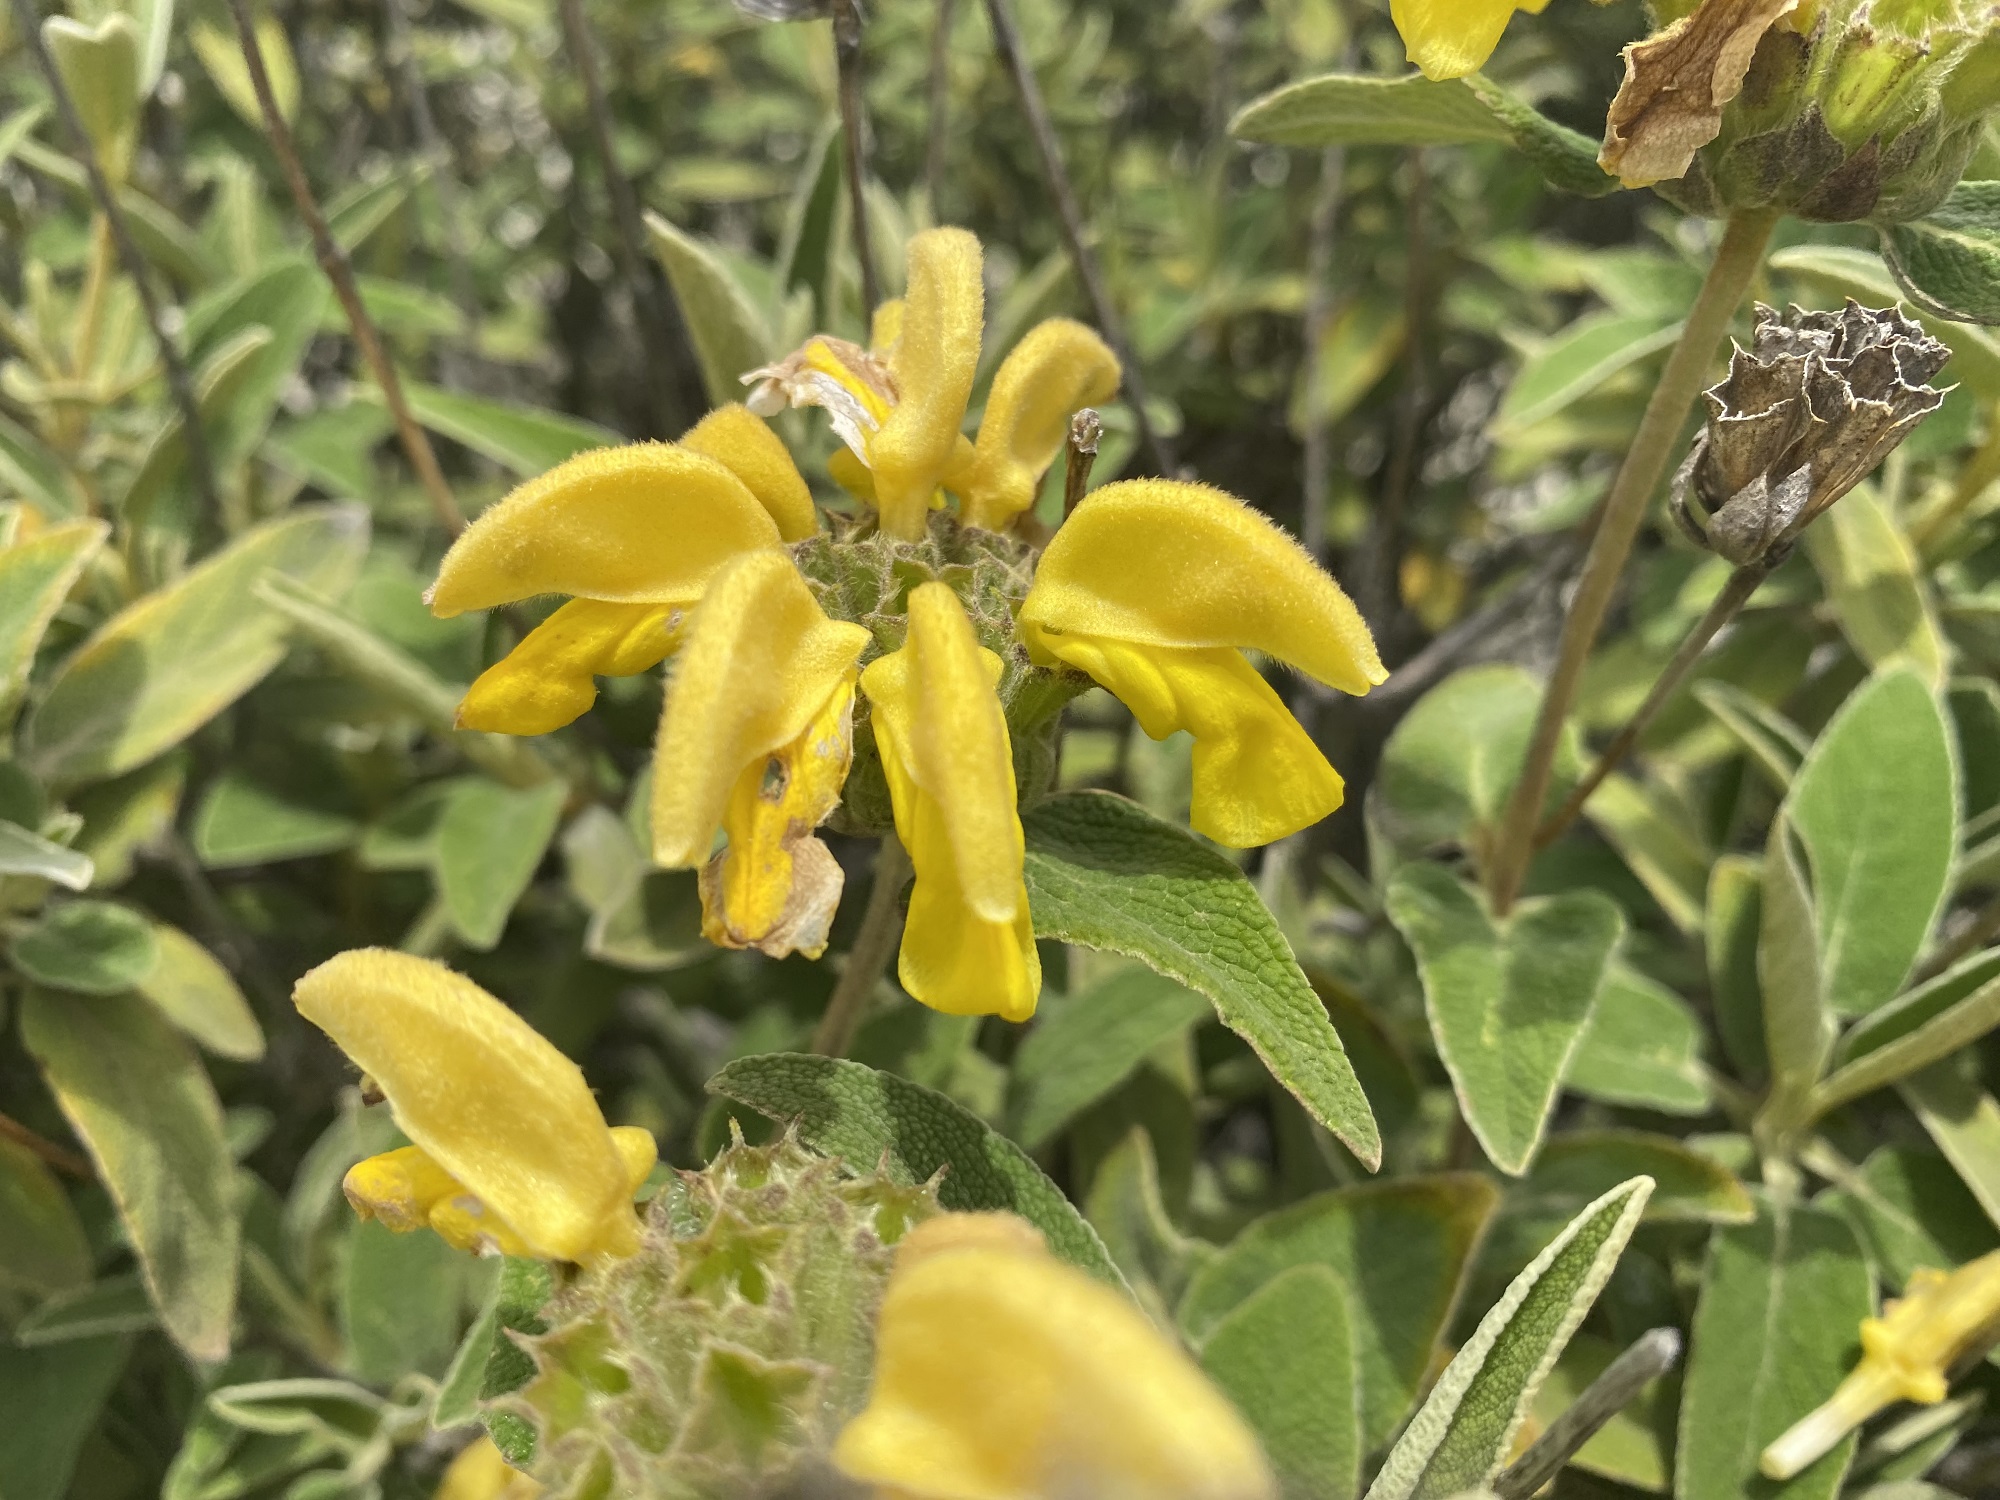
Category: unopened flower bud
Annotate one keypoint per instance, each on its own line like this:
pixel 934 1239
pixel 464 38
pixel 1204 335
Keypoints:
pixel 1807 412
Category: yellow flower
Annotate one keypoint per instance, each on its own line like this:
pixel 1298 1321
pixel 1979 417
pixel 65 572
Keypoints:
pixel 480 1473
pixel 510 1152
pixel 756 739
pixel 1156 588
pixel 898 405
pixel 1003 1374
pixel 1907 1354
pixel 1450 38
pixel 968 943
pixel 633 534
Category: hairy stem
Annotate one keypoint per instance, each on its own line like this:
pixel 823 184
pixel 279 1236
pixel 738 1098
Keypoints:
pixel 333 262
pixel 1735 594
pixel 1737 260
pixel 881 926
pixel 854 145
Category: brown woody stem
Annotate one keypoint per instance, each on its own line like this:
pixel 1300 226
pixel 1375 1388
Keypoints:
pixel 881 925
pixel 854 144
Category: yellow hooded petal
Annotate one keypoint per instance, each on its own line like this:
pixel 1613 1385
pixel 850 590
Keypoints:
pixel 935 355
pixel 644 523
pixel 739 440
pixel 550 678
pixel 761 661
pixel 1450 38
pixel 1257 775
pixel 1159 562
pixel 1060 367
pixel 1003 1374
pixel 484 1095
pixel 968 944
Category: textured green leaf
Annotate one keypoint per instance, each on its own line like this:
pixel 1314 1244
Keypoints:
pixel 242 822
pixel 1642 1047
pixel 1576 362
pixel 1874 580
pixel 52 1398
pixel 653 925
pixel 92 947
pixel 1932 1021
pixel 399 1302
pixel 1360 110
pixel 1567 159
pixel 524 439
pixel 117 1304
pixel 464 1381
pixel 1876 806
pixel 42 1248
pixel 1284 1355
pixel 1776 1328
pixel 1400 1249
pixel 31 469
pixel 224 375
pixel 35 577
pixel 162 667
pixel 25 853
pixel 864 1117
pixel 489 842
pixel 1507 1001
pixel 1963 1119
pixel 138 1098
pixel 285 297
pixel 1910 1210
pixel 1125 1208
pixel 1083 1048
pixel 1461 1436
pixel 1798 1030
pixel 1775 745
pixel 1948 262
pixel 1734 916
pixel 127 815
pixel 190 988
pixel 1658 843
pixel 1579 1166
pixel 1104 873
pixel 729 333
pixel 524 1287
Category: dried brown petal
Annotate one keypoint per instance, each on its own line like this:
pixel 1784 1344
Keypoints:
pixel 1676 84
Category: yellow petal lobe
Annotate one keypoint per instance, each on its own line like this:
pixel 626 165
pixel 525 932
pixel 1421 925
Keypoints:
pixel 933 360
pixel 480 1473
pixel 1450 38
pixel 741 441
pixel 483 1095
pixel 886 326
pixel 400 1188
pixel 1059 367
pixel 648 523
pixel 968 942
pixel 1003 1374
pixel 760 663
pixel 549 679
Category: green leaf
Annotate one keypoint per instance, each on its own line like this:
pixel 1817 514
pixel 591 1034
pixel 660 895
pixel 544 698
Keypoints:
pixel 35 577
pixel 1910 1210
pixel 1641 1047
pixel 286 297
pixel 222 58
pixel 1576 362
pixel 1876 806
pixel 25 853
pixel 1874 579
pixel 1963 1119
pixel 52 1398
pixel 461 1386
pixel 1567 159
pixel 729 333
pixel 1399 1248
pixel 30 468
pixel 1932 1021
pixel 652 924
pixel 191 989
pixel 355 213
pixel 525 1286
pixel 92 947
pixel 241 822
pixel 1360 110
pixel 1948 262
pixel 1125 1208
pixel 1507 1001
pixel 1636 1446
pixel 868 1118
pixel 18 126
pixel 164 666
pixel 1782 1301
pixel 42 1247
pixel 334 447
pixel 1104 873
pixel 1735 914
pixel 525 439
pixel 138 1098
pixel 1798 1029
pixel 1285 1357
pixel 1861 274
pixel 127 815
pixel 1461 1436
pixel 117 1304
pixel 489 842
pixel 1085 1046
pixel 399 1302
pixel 1658 844
pixel 1453 760
pixel 1578 1166
pixel 225 373
pixel 1775 745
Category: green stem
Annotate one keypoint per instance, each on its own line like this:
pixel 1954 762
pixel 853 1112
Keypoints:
pixel 1736 263
pixel 881 925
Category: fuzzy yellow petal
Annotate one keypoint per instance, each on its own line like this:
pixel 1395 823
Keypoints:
pixel 1003 1374
pixel 550 678
pixel 774 886
pixel 739 440
pixel 1159 562
pixel 399 1188
pixel 483 1095
pixel 1257 775
pixel 1060 367
pixel 480 1473
pixel 886 326
pixel 968 943
pixel 761 660
pixel 648 523
pixel 1450 38
pixel 933 360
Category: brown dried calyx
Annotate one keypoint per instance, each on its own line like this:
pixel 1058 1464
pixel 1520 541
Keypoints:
pixel 1808 411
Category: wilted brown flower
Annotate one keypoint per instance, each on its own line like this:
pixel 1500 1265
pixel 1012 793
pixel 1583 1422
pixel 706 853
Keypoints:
pixel 1808 411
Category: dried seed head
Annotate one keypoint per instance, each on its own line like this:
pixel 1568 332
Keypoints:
pixel 1808 411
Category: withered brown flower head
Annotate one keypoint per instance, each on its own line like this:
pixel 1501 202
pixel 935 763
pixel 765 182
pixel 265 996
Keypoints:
pixel 1808 411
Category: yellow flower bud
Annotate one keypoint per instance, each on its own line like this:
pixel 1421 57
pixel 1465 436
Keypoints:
pixel 934 358
pixel 480 1473
pixel 1059 367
